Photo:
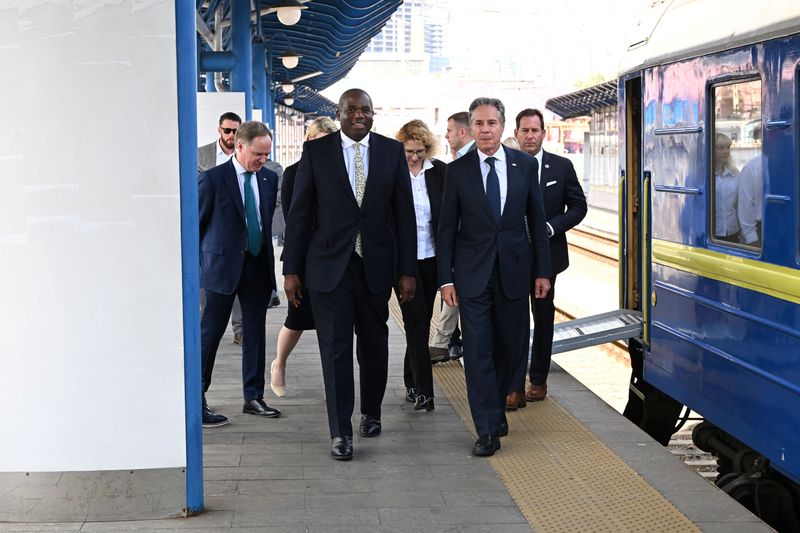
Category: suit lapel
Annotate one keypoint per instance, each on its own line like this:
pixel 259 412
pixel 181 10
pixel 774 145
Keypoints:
pixel 545 171
pixel 232 183
pixel 264 199
pixel 515 184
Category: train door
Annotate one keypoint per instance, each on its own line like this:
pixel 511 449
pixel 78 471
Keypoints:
pixel 647 407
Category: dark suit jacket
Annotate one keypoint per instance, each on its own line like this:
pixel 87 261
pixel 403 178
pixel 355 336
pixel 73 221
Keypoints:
pixel 223 231
pixel 564 205
pixel 469 240
pixel 322 194
pixel 287 188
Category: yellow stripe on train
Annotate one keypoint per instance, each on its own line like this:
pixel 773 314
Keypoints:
pixel 778 281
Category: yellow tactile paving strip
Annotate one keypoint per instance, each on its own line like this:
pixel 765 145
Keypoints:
pixel 561 476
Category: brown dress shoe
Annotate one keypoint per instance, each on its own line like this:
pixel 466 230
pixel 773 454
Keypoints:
pixel 536 393
pixel 515 400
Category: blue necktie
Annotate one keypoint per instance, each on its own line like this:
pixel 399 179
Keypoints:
pixel 493 189
pixel 251 216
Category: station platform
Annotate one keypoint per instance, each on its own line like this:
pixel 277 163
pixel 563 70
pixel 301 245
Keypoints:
pixel 570 463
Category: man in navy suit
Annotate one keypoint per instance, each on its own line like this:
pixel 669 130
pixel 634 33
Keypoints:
pixel 492 241
pixel 564 208
pixel 237 200
pixel 350 189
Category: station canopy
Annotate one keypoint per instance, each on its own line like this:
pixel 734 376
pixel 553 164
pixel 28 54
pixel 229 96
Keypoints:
pixel 330 36
pixel 583 102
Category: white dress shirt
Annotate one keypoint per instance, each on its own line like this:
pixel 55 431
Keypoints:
pixel 502 173
pixel 349 152
pixel 240 171
pixel 725 196
pixel 751 192
pixel 422 211
pixel 222 157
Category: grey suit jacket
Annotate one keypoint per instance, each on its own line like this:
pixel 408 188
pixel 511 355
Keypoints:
pixel 207 156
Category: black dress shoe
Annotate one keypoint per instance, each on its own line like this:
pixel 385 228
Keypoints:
pixel 486 445
pixel 275 301
pixel 260 408
pixel 212 419
pixel 342 448
pixel 502 431
pixel 411 394
pixel 370 426
pixel 455 352
pixel 424 402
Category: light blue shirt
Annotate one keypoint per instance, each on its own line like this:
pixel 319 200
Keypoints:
pixel 501 168
pixel 464 149
pixel 349 152
pixel 240 171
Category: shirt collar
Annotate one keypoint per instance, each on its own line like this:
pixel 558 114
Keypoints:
pixel 238 166
pixel 347 142
pixel 500 155
pixel 425 166
pixel 464 149
pixel 220 150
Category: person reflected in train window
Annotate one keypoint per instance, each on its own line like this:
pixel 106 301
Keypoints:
pixel 427 185
pixel 726 220
pixel 751 188
pixel 298 319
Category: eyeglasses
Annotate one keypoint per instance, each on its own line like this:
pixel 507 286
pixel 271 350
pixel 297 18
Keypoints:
pixel 228 131
pixel 418 153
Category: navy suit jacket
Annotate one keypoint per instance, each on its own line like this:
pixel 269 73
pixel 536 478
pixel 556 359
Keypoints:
pixel 325 218
pixel 564 205
pixel 469 240
pixel 223 231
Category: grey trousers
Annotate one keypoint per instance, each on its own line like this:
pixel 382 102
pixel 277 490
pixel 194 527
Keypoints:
pixel 448 320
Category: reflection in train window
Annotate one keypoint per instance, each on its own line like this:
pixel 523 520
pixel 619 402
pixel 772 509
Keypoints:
pixel 738 164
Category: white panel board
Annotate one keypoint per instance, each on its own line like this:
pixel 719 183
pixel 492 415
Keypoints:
pixel 91 345
pixel 210 106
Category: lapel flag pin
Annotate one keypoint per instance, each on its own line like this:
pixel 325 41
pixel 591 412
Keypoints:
pixel 547 166
pixel 513 164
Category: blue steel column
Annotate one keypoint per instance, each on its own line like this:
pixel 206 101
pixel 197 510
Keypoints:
pixel 186 55
pixel 242 73
pixel 259 80
pixel 269 105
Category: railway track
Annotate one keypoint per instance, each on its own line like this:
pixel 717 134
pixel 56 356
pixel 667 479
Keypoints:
pixel 603 247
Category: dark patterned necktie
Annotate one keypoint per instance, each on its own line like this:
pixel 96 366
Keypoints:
pixel 493 189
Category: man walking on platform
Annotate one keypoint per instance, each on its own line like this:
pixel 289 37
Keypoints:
pixel 236 203
pixel 485 259
pixel 355 185
pixel 446 343
pixel 564 208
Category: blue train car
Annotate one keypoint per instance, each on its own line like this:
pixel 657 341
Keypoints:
pixel 710 241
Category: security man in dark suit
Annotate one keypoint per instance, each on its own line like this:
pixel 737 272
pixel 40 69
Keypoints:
pixel 486 257
pixel 351 184
pixel 564 208
pixel 236 201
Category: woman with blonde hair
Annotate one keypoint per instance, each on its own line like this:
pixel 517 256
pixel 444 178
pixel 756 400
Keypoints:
pixel 298 319
pixel 427 185
pixel 726 190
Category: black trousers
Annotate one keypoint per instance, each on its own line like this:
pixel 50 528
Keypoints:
pixel 544 312
pixel 254 291
pixel 351 305
pixel 417 316
pixel 495 330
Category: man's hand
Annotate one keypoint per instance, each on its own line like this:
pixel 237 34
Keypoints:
pixel 406 287
pixel 449 295
pixel 293 289
pixel 541 287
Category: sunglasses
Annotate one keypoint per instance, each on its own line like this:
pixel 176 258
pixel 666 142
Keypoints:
pixel 228 131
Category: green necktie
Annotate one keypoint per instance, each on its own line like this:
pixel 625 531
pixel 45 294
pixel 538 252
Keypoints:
pixel 251 216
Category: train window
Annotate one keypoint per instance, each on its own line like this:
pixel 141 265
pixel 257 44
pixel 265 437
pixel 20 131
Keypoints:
pixel 738 164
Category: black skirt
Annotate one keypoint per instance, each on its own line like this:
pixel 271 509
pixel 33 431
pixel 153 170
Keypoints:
pixel 300 318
